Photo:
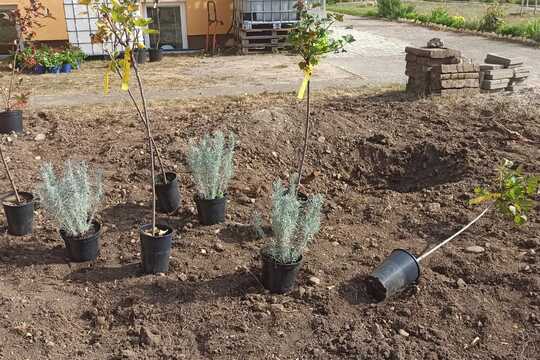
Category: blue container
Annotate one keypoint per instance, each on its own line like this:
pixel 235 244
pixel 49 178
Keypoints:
pixel 54 70
pixel 39 69
pixel 66 68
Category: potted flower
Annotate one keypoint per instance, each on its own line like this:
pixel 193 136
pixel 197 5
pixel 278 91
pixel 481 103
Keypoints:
pixel 120 24
pixel 79 56
pixel 52 61
pixel 156 54
pixel 39 55
pixel 68 61
pixel 72 201
pixel 12 100
pixel 18 206
pixel 211 163
pixel 294 225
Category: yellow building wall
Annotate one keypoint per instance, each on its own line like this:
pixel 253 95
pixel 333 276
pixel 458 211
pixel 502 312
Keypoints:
pixel 197 15
pixel 52 29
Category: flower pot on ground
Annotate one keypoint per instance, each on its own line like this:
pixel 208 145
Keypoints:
pixel 278 278
pixel 155 248
pixel 11 121
pixel 83 247
pixel 514 197
pixel 155 55
pixel 167 194
pixel 66 68
pixel 19 214
pixel 140 55
pixel 71 201
pixel 294 225
pixel 211 163
pixel 211 211
pixel 19 206
pixel 54 69
pixel 39 69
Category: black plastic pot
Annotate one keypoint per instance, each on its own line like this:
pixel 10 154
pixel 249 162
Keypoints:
pixel 211 211
pixel 397 272
pixel 155 55
pixel 85 247
pixel 278 278
pixel 19 216
pixel 155 250
pixel 168 196
pixel 140 56
pixel 11 121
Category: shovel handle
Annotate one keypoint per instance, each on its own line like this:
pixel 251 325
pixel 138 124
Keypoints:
pixel 427 253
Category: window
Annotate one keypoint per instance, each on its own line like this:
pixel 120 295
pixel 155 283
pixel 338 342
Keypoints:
pixel 8 30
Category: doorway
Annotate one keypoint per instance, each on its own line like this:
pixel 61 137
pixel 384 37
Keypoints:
pixel 169 19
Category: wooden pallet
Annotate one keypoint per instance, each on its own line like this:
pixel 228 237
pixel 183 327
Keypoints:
pixel 263 40
pixel 252 25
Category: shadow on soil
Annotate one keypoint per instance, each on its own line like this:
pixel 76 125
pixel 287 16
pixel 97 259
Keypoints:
pixel 32 254
pixel 168 291
pixel 130 216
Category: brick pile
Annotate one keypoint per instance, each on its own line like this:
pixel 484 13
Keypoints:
pixel 439 71
pixel 502 73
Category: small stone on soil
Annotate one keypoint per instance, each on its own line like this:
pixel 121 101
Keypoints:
pixel 404 333
pixel 182 277
pixel 475 249
pixel 40 137
pixel 219 247
pixel 313 280
pixel 434 207
pixel 461 283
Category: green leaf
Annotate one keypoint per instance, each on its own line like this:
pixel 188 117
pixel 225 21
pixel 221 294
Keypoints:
pixel 142 22
pixel 150 31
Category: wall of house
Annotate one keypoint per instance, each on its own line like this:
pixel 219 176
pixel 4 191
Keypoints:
pixel 197 15
pixel 52 29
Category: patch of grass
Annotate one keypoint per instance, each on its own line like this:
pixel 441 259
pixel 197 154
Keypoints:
pixel 353 9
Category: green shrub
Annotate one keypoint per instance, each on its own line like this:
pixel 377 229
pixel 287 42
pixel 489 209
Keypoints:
pixel 72 200
pixel 393 9
pixel 532 30
pixel 294 223
pixel 211 163
pixel 493 19
pixel 512 29
pixel 458 22
pixel 440 16
pixel 471 24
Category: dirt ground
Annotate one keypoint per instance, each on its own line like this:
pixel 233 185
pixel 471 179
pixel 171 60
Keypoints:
pixel 396 173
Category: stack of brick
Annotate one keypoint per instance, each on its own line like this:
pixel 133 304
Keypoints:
pixel 501 73
pixel 455 79
pixel 420 62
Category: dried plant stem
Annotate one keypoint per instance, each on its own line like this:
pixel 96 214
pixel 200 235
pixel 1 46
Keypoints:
pixel 9 176
pixel 306 135
pixel 150 141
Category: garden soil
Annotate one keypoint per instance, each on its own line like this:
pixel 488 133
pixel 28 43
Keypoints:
pixel 396 173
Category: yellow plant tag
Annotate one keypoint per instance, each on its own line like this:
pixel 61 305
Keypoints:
pixel 308 72
pixel 127 70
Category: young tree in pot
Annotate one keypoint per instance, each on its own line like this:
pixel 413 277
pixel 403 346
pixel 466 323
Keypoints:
pixel 72 202
pixel 18 206
pixel 156 53
pixel 13 100
pixel 294 225
pixel 211 163
pixel 514 197
pixel 119 24
pixel 311 39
